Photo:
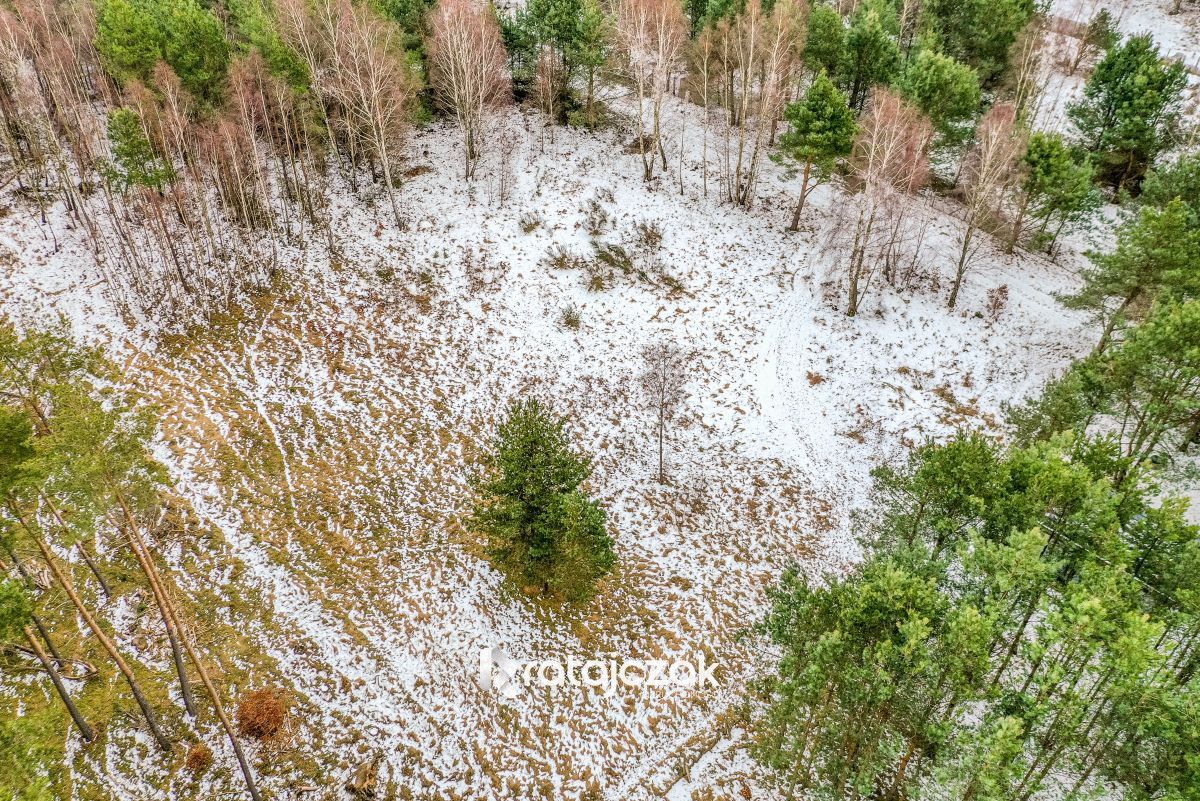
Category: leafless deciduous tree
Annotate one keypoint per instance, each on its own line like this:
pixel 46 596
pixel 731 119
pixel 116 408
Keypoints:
pixel 650 38
pixel 466 68
pixel 664 381
pixel 890 164
pixel 357 60
pixel 702 74
pixel 987 178
pixel 1025 84
pixel 759 54
pixel 910 17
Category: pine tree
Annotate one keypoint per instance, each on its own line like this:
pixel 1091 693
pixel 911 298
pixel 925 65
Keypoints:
pixel 1069 402
pixel 20 491
pixel 1056 190
pixel 591 51
pixel 872 55
pixel 1129 108
pixel 822 130
pixel 135 162
pixel 408 14
pixel 988 769
pixel 1156 253
pixel 569 34
pixel 260 30
pixel 134 35
pixel 977 32
pixel 1014 619
pixel 27 763
pixel 538 526
pixel 88 467
pixel 1100 35
pixel 945 89
pixel 16 615
pixel 1179 180
pixel 826 43
pixel 130 39
pixel 695 10
pixel 1154 378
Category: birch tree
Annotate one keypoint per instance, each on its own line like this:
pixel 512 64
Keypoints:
pixel 890 163
pixel 651 35
pixel 759 52
pixel 366 88
pixel 664 381
pixel 987 178
pixel 467 69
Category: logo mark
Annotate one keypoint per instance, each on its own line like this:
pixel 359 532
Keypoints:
pixel 498 670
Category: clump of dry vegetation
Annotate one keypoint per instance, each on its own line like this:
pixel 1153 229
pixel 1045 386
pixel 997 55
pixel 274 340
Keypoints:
pixel 199 758
pixel 262 713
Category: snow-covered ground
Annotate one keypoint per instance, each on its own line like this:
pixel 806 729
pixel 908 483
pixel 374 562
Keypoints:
pixel 336 471
pixel 1177 34
pixel 328 431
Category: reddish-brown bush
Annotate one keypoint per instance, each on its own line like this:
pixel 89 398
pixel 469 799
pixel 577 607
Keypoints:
pixel 199 758
pixel 261 713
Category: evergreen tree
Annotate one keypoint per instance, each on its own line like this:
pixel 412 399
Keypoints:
pixel 1179 180
pixel 821 131
pixel 520 40
pixel 591 51
pixel 258 28
pixel 946 90
pixel 195 48
pixel 1156 254
pixel 16 617
pixel 130 39
pixel 717 10
pixel 539 527
pixel 988 767
pixel 826 43
pixel 1130 106
pixel 1015 618
pixel 1153 378
pixel 1056 191
pixel 872 55
pixel 1067 403
pixel 575 32
pixel 695 10
pixel 134 35
pixel 1100 35
pixel 135 161
pixel 977 32
pixel 27 765
pixel 409 14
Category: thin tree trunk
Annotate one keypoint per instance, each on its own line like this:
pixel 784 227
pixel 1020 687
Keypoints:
pixel 1018 224
pixel 91 563
pixel 662 477
pixel 961 270
pixel 84 729
pixel 101 636
pixel 795 226
pixel 37 621
pixel 1106 337
pixel 169 609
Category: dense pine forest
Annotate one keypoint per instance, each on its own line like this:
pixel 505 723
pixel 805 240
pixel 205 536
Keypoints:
pixel 355 353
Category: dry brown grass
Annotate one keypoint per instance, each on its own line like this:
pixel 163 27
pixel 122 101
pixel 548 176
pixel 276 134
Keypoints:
pixel 199 758
pixel 262 713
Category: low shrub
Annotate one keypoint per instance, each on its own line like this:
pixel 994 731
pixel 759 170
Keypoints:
pixel 261 713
